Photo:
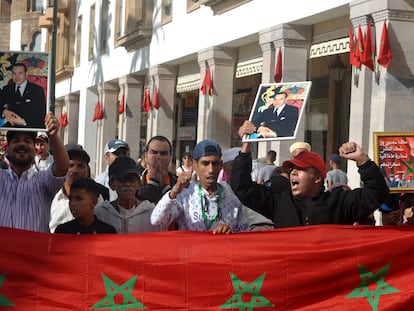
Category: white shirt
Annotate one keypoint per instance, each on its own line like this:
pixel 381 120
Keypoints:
pixel 187 210
pixel 25 201
pixel 42 165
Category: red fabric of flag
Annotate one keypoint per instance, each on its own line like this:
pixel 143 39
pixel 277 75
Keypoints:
pixel 207 86
pixel 369 50
pixel 63 120
pixel 121 107
pixel 156 98
pixel 353 56
pixel 326 267
pixel 385 54
pixel 146 103
pixel 99 114
pixel 278 67
pixel 359 51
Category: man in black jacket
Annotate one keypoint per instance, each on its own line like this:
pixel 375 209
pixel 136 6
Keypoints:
pixel 305 202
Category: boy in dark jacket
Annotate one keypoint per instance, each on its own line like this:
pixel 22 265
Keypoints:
pixel 84 193
pixel 305 202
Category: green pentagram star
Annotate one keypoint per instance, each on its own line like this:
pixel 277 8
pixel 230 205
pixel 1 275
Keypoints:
pixel 368 278
pixel 4 302
pixel 113 289
pixel 240 289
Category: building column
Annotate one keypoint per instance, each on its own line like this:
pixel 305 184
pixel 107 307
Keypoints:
pixel 215 113
pixel 107 127
pixel 161 121
pixel 295 42
pixel 382 104
pixel 70 134
pixel 130 120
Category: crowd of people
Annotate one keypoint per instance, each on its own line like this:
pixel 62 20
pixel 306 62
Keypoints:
pixel 212 189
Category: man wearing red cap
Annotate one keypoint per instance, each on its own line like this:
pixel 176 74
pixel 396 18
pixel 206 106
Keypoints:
pixel 306 202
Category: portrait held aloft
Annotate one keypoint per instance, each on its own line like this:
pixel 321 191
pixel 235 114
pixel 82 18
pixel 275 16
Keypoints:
pixel 277 110
pixel 23 81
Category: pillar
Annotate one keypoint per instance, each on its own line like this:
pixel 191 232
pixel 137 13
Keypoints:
pixel 71 104
pixel 382 101
pixel 295 43
pixel 215 113
pixel 161 121
pixel 130 120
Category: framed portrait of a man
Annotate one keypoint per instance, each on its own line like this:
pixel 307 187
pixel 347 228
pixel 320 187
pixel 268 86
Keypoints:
pixel 24 90
pixel 277 110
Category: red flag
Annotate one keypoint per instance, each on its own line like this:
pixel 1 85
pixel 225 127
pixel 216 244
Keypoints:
pixel 359 51
pixel 278 68
pixel 207 82
pixel 63 121
pixel 353 58
pixel 369 50
pixel 121 107
pixel 326 267
pixel 146 103
pixel 98 115
pixel 385 55
pixel 156 99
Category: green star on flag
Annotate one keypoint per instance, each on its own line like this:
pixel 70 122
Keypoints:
pixel 251 291
pixel 4 302
pixel 368 278
pixel 124 290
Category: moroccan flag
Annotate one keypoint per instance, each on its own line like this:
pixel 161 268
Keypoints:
pixel 99 114
pixel 63 120
pixel 353 57
pixel 207 86
pixel 369 50
pixel 156 98
pixel 146 103
pixel 121 107
pixel 326 267
pixel 278 67
pixel 385 55
pixel 359 51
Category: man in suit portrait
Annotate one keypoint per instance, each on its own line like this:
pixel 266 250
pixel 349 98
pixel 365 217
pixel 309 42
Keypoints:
pixel 279 119
pixel 25 99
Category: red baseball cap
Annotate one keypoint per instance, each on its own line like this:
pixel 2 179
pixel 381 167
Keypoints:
pixel 307 159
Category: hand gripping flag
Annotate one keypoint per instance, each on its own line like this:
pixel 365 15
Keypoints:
pixel 369 50
pixel 207 85
pixel 278 67
pixel 385 55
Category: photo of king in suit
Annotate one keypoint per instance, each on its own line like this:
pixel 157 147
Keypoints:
pixel 22 103
pixel 279 119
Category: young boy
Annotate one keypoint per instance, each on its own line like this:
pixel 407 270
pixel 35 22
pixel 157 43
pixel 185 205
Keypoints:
pixel 84 193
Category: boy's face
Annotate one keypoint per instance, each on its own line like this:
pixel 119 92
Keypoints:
pixel 82 203
pixel 126 186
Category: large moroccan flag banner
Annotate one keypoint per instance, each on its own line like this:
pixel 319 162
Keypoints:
pixel 305 268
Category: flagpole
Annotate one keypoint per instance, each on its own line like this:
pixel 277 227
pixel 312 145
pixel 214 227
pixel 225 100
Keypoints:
pixel 53 59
